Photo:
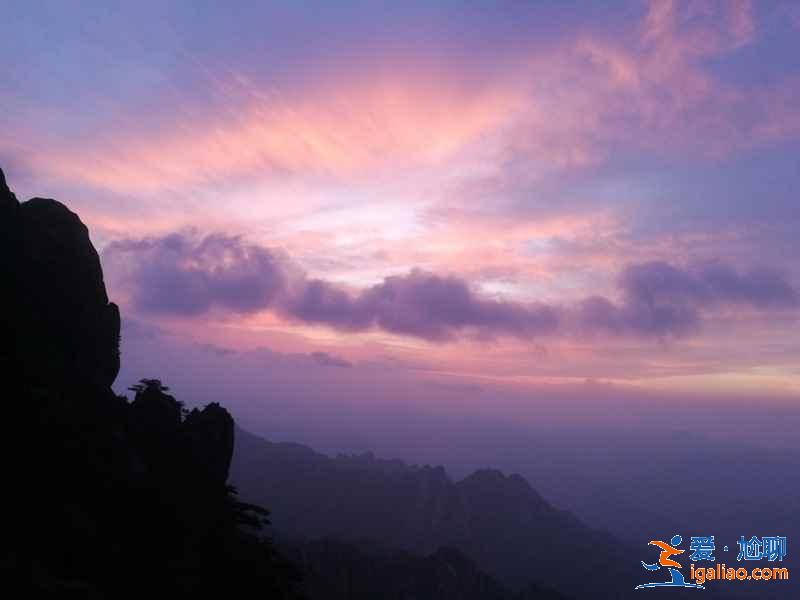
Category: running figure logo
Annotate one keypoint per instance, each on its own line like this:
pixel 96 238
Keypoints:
pixel 664 560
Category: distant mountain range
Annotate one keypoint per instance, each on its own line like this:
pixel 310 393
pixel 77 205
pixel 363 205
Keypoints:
pixel 499 521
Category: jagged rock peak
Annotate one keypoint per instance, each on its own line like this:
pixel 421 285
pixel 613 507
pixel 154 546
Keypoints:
pixel 58 295
pixel 7 197
pixel 209 435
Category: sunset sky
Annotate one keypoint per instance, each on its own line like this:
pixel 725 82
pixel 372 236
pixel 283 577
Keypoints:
pixel 463 194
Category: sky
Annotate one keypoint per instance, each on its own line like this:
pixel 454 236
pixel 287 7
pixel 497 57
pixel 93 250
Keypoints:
pixel 465 208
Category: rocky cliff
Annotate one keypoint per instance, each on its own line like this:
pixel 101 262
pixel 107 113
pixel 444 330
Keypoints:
pixel 107 498
pixel 63 326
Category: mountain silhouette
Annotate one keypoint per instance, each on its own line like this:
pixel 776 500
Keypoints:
pixel 334 569
pixel 111 498
pixel 498 521
pixel 105 498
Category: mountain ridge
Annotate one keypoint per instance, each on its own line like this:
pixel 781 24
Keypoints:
pixel 498 520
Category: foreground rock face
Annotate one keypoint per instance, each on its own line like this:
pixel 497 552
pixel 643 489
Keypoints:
pixel 63 326
pixel 113 499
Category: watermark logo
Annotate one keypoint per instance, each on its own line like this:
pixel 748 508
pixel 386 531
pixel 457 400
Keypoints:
pixel 703 548
pixel 672 566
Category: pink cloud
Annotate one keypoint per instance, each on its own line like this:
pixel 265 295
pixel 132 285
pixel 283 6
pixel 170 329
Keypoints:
pixel 187 274
pixel 651 89
pixel 552 109
pixel 342 129
pixel 560 105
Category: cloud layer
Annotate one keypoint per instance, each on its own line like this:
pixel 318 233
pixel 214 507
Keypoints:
pixel 190 274
pixel 183 274
pixel 661 299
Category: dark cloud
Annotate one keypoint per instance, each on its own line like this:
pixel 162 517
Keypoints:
pixel 420 304
pixel 598 314
pixel 134 329
pixel 661 299
pixel 329 360
pixel 317 301
pixel 217 350
pixel 711 283
pixel 187 274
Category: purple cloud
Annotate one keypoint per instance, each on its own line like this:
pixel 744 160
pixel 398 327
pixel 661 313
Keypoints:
pixel 183 274
pixel 711 283
pixel 326 359
pixel 423 305
pixel 661 299
pixel 317 301
pixel 188 275
pixel 598 314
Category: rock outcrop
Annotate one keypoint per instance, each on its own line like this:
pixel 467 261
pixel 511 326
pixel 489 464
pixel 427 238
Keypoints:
pixel 111 499
pixel 57 311
pixel 208 441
